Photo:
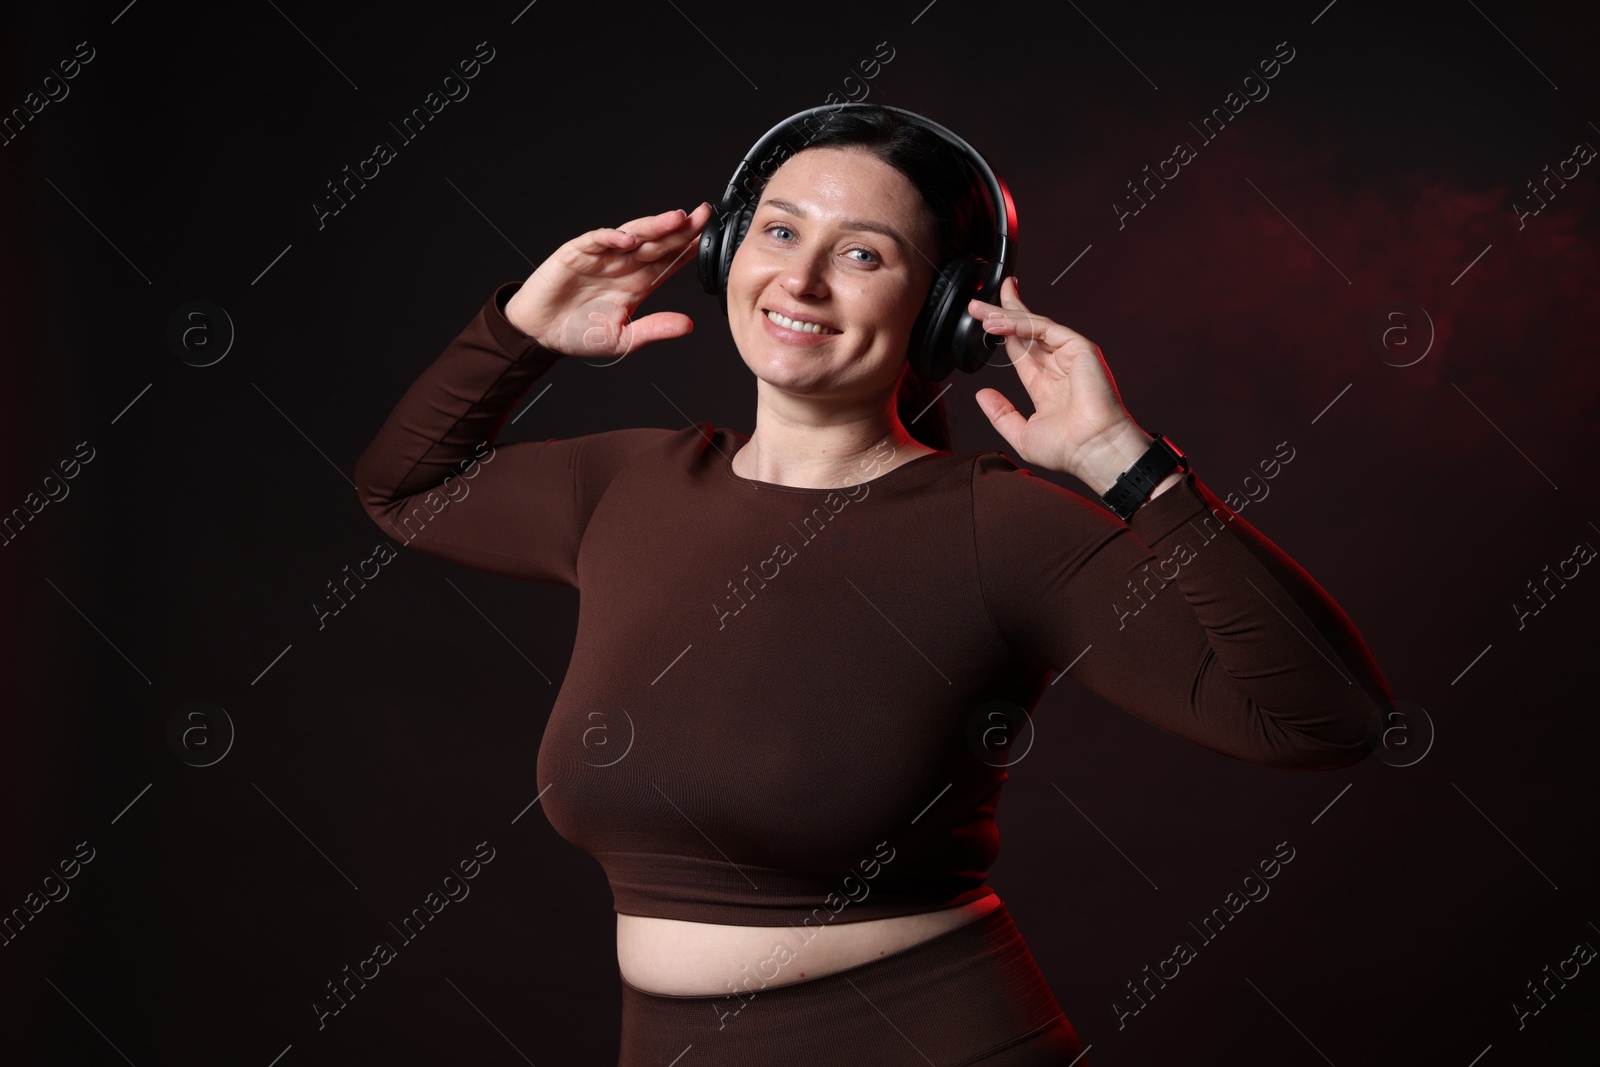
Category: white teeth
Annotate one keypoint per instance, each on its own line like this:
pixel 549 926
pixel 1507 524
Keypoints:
pixel 803 327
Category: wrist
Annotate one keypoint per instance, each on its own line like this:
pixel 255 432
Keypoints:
pixel 1173 477
pixel 1103 460
pixel 1158 468
pixel 1166 483
pixel 517 318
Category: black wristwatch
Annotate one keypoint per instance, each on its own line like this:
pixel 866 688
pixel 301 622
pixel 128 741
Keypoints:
pixel 1134 484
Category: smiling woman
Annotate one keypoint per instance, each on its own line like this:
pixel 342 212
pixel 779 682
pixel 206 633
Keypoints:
pixel 899 263
pixel 768 760
pixel 821 304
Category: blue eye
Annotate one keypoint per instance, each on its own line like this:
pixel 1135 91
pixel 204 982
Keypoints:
pixel 773 229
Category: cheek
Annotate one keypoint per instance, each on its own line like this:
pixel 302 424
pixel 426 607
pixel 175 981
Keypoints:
pixel 748 275
pixel 898 311
pixel 878 305
pixel 736 271
pixel 913 305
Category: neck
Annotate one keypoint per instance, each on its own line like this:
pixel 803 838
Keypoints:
pixel 805 447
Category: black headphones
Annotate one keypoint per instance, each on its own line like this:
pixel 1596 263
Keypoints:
pixel 946 336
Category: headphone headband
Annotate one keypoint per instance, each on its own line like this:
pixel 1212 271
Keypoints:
pixel 946 335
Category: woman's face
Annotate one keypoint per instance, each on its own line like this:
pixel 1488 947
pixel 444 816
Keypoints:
pixel 842 240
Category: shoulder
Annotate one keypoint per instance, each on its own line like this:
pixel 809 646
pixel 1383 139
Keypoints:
pixel 686 448
pixel 1018 515
pixel 653 439
pixel 1000 485
pixel 698 443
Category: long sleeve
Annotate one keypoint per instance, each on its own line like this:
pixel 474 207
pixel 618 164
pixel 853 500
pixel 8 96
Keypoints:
pixel 434 479
pixel 1186 616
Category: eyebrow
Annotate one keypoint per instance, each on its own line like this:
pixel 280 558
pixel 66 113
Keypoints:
pixel 846 224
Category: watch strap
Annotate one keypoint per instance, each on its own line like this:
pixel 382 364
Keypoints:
pixel 1133 485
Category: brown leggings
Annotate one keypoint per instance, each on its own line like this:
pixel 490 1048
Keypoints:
pixel 968 996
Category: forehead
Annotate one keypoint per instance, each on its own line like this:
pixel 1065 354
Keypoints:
pixel 851 182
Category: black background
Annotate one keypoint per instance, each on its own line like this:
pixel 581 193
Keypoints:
pixel 375 753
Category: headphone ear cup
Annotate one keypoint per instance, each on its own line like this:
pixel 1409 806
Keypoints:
pixel 710 254
pixel 970 344
pixel 932 353
pixel 732 236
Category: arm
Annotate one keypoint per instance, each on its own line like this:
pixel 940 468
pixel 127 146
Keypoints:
pixel 434 479
pixel 1187 616
pixel 1193 620
pixel 521 510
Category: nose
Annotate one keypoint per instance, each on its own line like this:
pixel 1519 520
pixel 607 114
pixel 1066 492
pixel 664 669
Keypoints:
pixel 806 274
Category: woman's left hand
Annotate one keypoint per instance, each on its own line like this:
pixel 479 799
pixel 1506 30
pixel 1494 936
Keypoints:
pixel 1079 425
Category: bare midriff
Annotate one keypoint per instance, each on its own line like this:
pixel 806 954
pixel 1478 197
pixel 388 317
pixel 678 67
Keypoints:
pixel 678 958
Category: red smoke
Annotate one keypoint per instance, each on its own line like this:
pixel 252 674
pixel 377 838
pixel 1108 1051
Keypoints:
pixel 1208 292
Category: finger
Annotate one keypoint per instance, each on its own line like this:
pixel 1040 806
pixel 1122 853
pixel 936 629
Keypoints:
pixel 629 237
pixel 1009 323
pixel 1023 351
pixel 684 256
pixel 680 233
pixel 997 321
pixel 984 311
pixel 1006 319
pixel 672 243
pixel 604 244
pixel 702 214
pixel 657 227
pixel 660 326
pixel 1024 324
pixel 990 315
pixel 1026 355
pixel 1007 420
pixel 650 237
pixel 604 240
pixel 1010 295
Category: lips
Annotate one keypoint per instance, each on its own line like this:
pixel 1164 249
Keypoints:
pixel 800 323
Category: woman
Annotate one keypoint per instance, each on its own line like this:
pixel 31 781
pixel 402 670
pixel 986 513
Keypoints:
pixel 793 794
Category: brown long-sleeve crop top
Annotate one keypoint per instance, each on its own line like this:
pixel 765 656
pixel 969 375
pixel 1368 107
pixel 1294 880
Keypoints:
pixel 790 705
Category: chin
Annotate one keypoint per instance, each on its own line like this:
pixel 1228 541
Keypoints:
pixel 768 354
pixel 782 372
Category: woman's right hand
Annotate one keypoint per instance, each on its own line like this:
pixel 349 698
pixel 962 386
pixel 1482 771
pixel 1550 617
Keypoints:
pixel 580 301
